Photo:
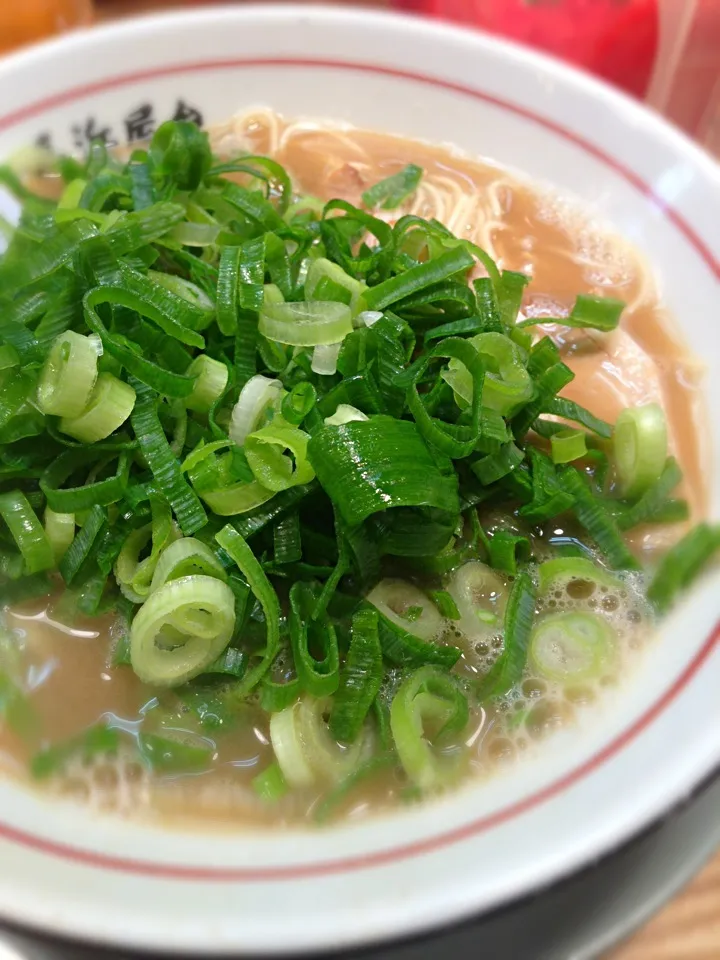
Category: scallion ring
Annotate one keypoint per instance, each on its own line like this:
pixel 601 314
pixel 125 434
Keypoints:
pixel 69 375
pixel 572 646
pixel 305 324
pixel 641 441
pixel 183 558
pixel 210 383
pixel 111 403
pixel 180 629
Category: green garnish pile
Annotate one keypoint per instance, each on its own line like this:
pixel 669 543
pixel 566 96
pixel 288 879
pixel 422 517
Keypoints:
pixel 226 410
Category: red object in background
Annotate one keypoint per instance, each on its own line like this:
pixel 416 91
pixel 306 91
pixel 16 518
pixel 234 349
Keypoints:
pixel 615 39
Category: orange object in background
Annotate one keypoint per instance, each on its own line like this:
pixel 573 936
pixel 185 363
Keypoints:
pixel 26 20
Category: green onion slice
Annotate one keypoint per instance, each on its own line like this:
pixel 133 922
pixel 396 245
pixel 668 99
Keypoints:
pixel 682 564
pixel 480 595
pixel 305 324
pixel 428 699
pixel 110 404
pixel 567 445
pixel 69 375
pixel 60 531
pixel 272 468
pixel 181 629
pixel 258 395
pixel 242 555
pixel 360 679
pixel 305 749
pixel 211 378
pixel 572 646
pixel 27 531
pixel 183 558
pixel 508 668
pixel 564 570
pixel 314 644
pixel 640 444
pixel 507 383
pixel 405 605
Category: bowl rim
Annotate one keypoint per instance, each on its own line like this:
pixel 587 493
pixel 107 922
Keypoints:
pixel 592 89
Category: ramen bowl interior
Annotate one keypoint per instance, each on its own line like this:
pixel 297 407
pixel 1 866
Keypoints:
pixel 643 205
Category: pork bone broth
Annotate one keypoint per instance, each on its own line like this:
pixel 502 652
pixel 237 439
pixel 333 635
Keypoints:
pixel 291 569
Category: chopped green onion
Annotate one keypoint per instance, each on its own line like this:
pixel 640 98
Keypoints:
pixel 164 464
pixel 270 466
pixel 445 604
pixel 597 520
pixel 570 410
pixel 180 150
pixel 187 291
pixel 256 397
pixel 371 767
pixel 395 189
pixel 82 546
pixel 128 354
pixel 180 629
pixel 405 649
pixel 508 668
pixel 27 531
pixel 394 598
pixel 428 696
pixel 325 358
pixel 165 755
pixel 16 710
pixel 322 274
pixel 480 596
pixel 682 564
pixel 418 278
pixel 211 379
pixel 60 531
pixel 498 465
pixel 572 647
pixel 507 383
pixel 298 403
pixel 345 413
pixel 89 494
pixel 110 404
pixel 305 749
pixel 69 375
pixel 655 499
pixel 314 644
pixel 287 539
pixel 563 570
pixel 598 313
pixel 270 785
pixel 305 324
pixel 568 445
pixel 134 576
pixel 506 549
pixel 236 547
pixel 640 445
pixel 373 465
pixel 100 740
pixel 360 678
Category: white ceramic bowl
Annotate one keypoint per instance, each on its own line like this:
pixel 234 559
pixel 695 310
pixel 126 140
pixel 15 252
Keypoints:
pixel 67 872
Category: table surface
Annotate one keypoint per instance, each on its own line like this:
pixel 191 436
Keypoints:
pixel 687 929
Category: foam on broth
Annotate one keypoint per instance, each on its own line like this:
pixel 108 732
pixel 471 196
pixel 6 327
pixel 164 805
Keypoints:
pixel 526 228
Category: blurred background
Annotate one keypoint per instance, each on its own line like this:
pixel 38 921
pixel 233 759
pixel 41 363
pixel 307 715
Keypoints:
pixel 666 52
